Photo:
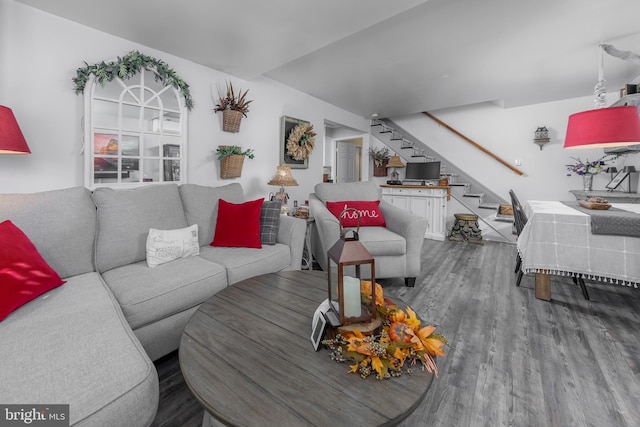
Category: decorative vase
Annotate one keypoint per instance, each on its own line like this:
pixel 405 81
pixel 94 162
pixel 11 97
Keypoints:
pixel 587 182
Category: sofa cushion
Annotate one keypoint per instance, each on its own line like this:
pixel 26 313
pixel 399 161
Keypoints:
pixel 380 241
pixel 363 190
pixel 72 345
pixel 242 263
pixel 167 245
pixel 238 224
pixel 269 222
pixel 201 206
pixel 125 217
pixel 24 275
pixel 369 210
pixel 60 223
pixel 147 295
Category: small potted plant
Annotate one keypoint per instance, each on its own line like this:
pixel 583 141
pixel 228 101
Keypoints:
pixel 233 108
pixel 380 157
pixel 231 160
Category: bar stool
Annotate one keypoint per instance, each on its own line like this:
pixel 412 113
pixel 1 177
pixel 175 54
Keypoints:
pixel 466 229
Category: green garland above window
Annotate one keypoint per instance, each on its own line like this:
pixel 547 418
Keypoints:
pixel 128 66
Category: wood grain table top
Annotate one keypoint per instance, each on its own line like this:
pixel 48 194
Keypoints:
pixel 247 357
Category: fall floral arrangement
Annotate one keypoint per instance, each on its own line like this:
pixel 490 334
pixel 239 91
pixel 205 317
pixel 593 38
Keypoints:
pixel 300 142
pixel 402 344
pixel 590 168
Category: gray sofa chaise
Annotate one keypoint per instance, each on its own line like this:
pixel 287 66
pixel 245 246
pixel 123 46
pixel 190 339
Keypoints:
pixel 90 343
pixel 396 247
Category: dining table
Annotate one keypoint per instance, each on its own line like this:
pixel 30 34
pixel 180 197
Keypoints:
pixel 558 239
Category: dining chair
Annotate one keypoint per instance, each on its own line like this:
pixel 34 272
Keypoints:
pixel 520 219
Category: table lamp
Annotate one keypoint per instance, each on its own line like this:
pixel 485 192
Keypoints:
pixel 394 163
pixel 283 178
pixel 11 139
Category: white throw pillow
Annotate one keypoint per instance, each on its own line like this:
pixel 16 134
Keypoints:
pixel 167 245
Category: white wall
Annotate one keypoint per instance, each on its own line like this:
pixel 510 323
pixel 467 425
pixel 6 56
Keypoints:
pixel 39 54
pixel 509 134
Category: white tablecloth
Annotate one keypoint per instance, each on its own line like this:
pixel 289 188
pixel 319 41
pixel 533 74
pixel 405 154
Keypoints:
pixel 557 239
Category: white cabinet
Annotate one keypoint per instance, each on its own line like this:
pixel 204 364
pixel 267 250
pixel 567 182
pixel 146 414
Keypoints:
pixel 427 202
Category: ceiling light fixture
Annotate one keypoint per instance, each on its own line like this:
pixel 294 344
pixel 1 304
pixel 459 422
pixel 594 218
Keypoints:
pixel 604 126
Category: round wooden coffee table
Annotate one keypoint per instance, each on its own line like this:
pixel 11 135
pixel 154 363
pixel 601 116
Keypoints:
pixel 247 357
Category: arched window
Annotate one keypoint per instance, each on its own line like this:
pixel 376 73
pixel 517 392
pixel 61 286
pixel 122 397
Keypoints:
pixel 135 132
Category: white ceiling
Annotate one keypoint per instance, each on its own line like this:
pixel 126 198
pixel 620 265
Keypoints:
pixel 387 57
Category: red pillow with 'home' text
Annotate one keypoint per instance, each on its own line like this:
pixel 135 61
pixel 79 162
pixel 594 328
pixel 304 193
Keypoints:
pixel 370 214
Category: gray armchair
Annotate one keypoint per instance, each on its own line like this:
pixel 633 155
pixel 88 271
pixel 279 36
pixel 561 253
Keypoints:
pixel 396 248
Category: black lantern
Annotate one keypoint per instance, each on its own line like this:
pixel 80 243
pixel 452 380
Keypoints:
pixel 348 251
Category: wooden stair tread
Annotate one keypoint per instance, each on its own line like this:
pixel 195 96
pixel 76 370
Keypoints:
pixel 492 206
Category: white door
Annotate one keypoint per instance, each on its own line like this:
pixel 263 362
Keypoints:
pixel 347 162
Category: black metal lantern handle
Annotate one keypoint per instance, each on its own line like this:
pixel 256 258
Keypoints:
pixel 355 232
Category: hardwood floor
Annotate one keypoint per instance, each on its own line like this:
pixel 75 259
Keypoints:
pixel 513 360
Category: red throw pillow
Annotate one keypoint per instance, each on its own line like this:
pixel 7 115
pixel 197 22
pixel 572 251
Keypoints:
pixel 24 274
pixel 370 214
pixel 238 224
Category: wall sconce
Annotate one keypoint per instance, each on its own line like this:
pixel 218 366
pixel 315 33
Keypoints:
pixel 541 136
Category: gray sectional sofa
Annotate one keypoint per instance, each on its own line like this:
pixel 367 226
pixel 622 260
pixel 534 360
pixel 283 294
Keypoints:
pixel 90 343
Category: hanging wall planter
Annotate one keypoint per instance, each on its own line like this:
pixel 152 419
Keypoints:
pixel 380 158
pixel 231 120
pixel 231 160
pixel 233 108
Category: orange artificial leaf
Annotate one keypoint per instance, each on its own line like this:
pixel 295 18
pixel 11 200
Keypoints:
pixel 432 345
pixel 364 349
pixel 379 367
pixel 412 319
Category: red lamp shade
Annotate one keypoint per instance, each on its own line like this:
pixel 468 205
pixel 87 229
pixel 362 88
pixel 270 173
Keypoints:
pixel 603 127
pixel 11 139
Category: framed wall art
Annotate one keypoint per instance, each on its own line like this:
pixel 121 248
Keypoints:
pixel 287 126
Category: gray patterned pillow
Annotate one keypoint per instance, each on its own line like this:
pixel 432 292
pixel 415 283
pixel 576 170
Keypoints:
pixel 269 222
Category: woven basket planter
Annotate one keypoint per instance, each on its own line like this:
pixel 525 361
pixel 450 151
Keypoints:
pixel 231 120
pixel 380 170
pixel 231 166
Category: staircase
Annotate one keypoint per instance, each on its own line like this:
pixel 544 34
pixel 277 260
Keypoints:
pixel 468 195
